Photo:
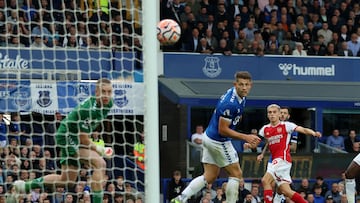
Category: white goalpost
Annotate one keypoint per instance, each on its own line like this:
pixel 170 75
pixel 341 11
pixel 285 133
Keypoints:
pixel 151 117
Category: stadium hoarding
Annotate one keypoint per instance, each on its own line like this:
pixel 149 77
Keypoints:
pixel 90 63
pixel 217 66
pixel 51 97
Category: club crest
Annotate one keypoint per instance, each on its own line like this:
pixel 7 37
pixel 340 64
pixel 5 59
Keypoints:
pixel 21 99
pixel 44 99
pixel 120 98
pixel 212 67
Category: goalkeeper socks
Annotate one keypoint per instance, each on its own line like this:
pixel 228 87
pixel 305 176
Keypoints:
pixel 195 186
pixel 350 190
pixel 97 197
pixel 36 183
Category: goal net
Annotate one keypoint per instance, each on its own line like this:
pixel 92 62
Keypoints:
pixel 52 54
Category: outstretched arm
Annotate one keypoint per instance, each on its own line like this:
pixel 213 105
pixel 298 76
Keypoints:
pixel 307 131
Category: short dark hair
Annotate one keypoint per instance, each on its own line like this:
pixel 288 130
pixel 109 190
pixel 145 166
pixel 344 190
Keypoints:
pixel 242 75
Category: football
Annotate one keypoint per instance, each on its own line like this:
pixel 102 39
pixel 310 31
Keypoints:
pixel 168 32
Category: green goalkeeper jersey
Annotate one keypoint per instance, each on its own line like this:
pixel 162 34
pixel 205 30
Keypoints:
pixel 84 118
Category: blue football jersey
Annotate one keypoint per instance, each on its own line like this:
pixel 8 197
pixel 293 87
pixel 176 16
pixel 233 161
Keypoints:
pixel 231 107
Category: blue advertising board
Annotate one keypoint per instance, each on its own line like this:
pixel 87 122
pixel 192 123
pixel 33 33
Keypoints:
pixel 50 96
pixel 203 66
pixel 92 64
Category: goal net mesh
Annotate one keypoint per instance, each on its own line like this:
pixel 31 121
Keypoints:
pixel 51 55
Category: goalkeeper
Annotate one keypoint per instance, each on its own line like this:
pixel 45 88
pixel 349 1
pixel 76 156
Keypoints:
pixel 72 137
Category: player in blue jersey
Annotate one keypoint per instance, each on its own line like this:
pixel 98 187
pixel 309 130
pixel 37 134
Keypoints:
pixel 267 179
pixel 218 151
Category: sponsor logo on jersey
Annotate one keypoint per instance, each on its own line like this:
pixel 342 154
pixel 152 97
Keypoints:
pixel 212 67
pixel 120 98
pixel 44 98
pixel 294 69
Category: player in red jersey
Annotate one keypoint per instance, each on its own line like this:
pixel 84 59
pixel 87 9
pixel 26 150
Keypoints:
pixel 277 133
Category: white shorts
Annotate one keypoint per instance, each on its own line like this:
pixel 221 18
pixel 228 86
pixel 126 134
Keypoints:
pixel 357 159
pixel 219 153
pixel 280 170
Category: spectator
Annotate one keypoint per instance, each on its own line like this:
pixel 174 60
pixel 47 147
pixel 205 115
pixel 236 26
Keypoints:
pixel 318 198
pixel 222 14
pixel 350 141
pixel 196 138
pixel 219 196
pixel 239 48
pixel 334 193
pixel 14 127
pixel 120 185
pixel 304 186
pixel 175 186
pixel 193 40
pixel 299 51
pixel 139 152
pixel 243 192
pixel 330 51
pixel 344 51
pixel 43 32
pixel 223 48
pixel 255 195
pixel 316 50
pixel 271 6
pixel 325 32
pixel 50 133
pixel 310 198
pixel 38 42
pixel 354 44
pixel 336 41
pixel 203 47
pixel 285 50
pixel 211 39
pixel 249 30
pixel 336 140
pixel 208 192
pixel 344 34
pixel 321 183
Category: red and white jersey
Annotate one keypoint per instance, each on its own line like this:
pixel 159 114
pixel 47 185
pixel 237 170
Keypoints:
pixel 278 138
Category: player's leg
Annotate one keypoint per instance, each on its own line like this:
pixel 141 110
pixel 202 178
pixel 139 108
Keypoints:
pixel 278 197
pixel 98 166
pixel 211 172
pixel 210 159
pixel 67 177
pixel 232 187
pixel 351 172
pixel 267 181
pixel 288 192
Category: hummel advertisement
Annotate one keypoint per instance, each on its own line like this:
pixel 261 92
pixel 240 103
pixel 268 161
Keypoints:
pixel 262 68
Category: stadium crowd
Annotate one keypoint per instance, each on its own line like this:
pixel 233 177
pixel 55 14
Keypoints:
pixel 270 27
pixel 45 23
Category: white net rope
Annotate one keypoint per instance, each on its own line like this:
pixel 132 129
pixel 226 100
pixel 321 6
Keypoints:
pixel 51 55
